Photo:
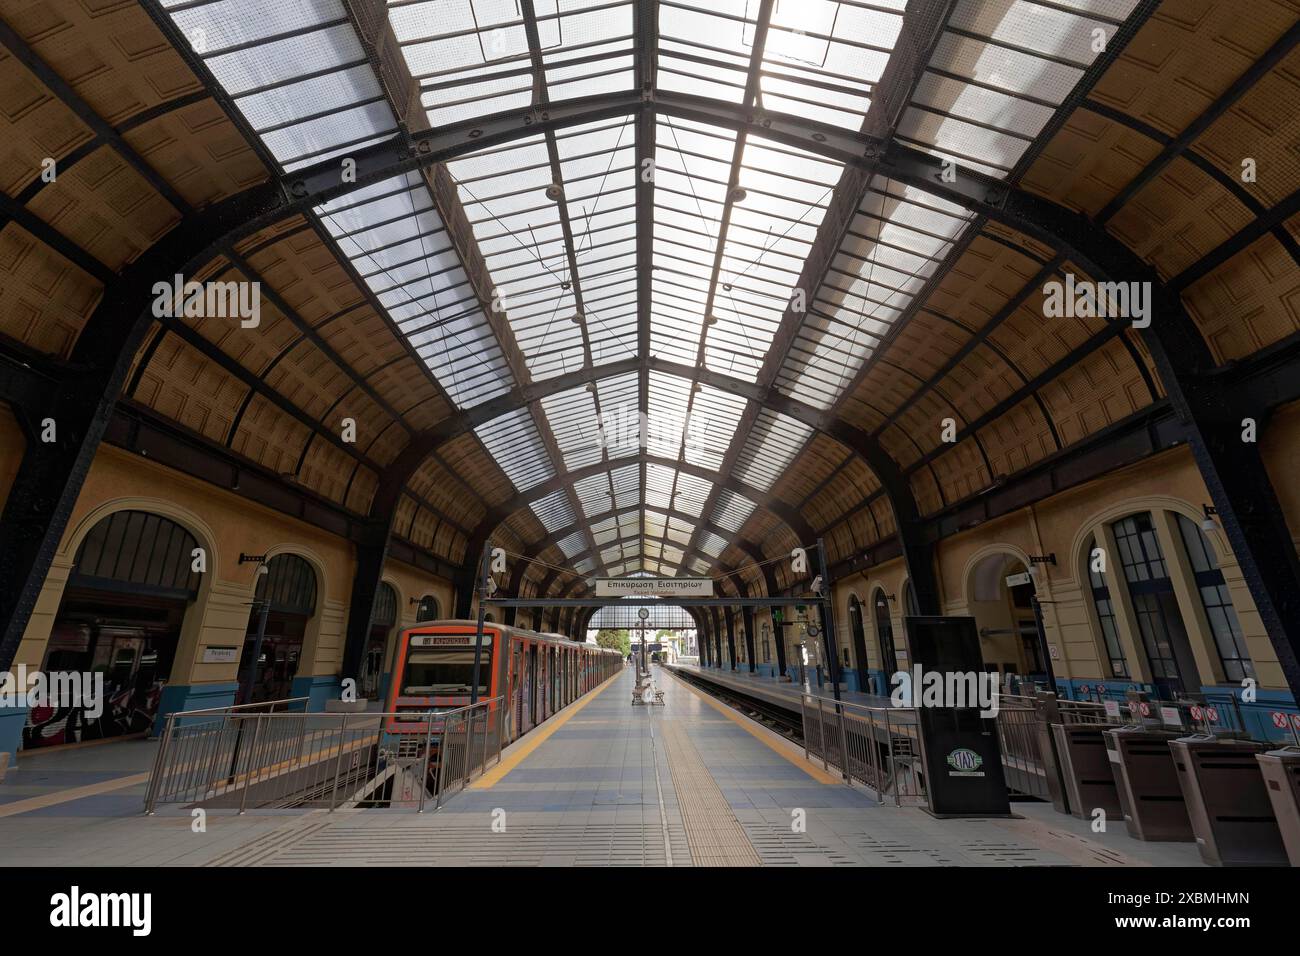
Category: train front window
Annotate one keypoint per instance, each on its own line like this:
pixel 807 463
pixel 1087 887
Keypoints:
pixel 445 671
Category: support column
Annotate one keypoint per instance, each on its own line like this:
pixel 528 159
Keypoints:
pixel 747 615
pixel 729 615
pixel 371 553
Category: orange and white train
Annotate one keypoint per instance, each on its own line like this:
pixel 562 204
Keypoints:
pixel 536 673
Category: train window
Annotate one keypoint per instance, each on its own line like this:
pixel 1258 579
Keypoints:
pixel 445 671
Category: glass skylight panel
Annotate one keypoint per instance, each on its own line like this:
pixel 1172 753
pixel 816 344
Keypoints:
pixel 472 56
pixel 598 167
pixel 512 441
pixel 655 523
pixel 998 73
pixel 629 524
pixel 711 543
pixel 620 414
pixel 698 565
pixel 572 544
pixel 518 231
pixel 259 54
pixel 399 245
pixel 659 482
pixel 605 531
pixel 593 494
pixel 773 443
pixel 692 166
pixel 823 57
pixel 575 425
pixel 666 411
pixel 585 566
pixel 627 485
pixel 731 510
pixel 768 238
pixel 679 530
pixel 554 511
pixel 715 30
pixel 711 427
pixel 691 493
pixel 894 244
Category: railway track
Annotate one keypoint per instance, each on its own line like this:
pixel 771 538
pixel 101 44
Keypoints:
pixel 785 722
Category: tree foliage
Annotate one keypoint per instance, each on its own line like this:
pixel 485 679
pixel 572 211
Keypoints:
pixel 619 640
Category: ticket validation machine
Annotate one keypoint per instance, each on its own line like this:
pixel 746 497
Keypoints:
pixel 960 750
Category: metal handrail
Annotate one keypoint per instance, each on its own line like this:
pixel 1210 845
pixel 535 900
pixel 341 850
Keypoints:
pixel 234 707
pixel 299 757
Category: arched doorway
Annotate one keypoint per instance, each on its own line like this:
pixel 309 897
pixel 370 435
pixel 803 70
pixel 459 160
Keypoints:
pixel 381 626
pixel 132 583
pixel 284 602
pixel 885 637
pixel 1000 598
pixel 858 635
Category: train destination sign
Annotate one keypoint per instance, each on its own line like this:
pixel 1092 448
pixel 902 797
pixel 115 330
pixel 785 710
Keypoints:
pixel 654 587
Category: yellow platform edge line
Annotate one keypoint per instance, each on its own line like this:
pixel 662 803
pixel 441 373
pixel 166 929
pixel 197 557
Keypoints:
pixel 75 793
pixel 779 745
pixel 530 742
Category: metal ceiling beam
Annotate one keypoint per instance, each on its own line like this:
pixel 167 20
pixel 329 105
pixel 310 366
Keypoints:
pixel 919 32
pixel 261 206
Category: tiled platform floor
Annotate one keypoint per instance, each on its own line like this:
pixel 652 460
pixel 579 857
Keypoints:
pixel 604 783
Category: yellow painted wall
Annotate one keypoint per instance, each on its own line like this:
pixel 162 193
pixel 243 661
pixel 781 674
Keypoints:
pixel 1062 525
pixel 224 525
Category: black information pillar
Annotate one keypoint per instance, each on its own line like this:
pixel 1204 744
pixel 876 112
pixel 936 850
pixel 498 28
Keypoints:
pixel 962 758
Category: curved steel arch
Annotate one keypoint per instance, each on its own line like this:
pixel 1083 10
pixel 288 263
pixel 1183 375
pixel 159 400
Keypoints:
pixel 108 345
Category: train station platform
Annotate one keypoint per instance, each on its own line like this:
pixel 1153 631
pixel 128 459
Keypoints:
pixel 603 783
pixel 781 693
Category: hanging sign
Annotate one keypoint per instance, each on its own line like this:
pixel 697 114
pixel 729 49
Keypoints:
pixel 654 587
pixel 1015 580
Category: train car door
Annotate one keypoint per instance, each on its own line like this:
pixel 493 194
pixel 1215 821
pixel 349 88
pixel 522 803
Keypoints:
pixel 530 686
pixel 516 693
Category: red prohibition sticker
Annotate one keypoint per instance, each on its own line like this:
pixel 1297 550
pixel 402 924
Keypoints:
pixel 1212 714
pixel 1196 712
pixel 1279 720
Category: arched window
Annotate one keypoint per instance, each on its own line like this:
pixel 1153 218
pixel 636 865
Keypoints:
pixel 1217 602
pixel 1106 615
pixel 428 609
pixel 858 634
pixel 153 555
pixel 289 585
pixel 885 635
pixel 1164 636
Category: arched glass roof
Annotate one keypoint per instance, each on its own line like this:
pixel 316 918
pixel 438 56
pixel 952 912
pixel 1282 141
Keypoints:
pixel 718 256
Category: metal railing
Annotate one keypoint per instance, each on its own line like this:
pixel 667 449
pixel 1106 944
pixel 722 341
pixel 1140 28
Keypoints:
pixel 267 756
pixel 876 746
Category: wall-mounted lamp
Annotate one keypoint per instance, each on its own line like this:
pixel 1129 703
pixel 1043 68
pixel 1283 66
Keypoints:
pixel 892 598
pixel 1207 523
